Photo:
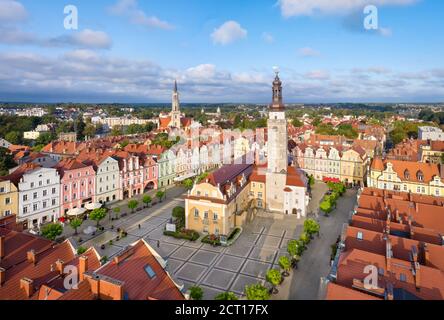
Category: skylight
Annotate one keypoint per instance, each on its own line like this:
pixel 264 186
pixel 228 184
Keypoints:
pixel 149 270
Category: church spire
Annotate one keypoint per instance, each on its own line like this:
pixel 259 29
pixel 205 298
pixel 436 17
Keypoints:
pixel 277 93
pixel 175 85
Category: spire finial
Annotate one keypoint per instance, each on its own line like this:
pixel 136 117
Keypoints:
pixel 175 85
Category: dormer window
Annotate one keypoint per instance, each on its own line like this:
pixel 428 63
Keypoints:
pixel 406 175
pixel 420 176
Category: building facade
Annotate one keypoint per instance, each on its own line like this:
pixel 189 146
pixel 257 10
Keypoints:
pixel 8 198
pixel 108 180
pixel 39 196
pixel 78 185
pixel 406 176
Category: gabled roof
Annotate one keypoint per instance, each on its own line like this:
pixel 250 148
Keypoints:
pixel 17 175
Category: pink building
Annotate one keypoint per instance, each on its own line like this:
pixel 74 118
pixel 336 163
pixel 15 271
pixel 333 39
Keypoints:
pixel 138 173
pixel 77 184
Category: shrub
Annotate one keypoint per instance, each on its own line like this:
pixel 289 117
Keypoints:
pixel 212 239
pixel 233 234
pixel 257 292
pixel 226 296
pixel 304 238
pixel 326 206
pixel 311 226
pixel 196 293
pixel 81 250
pixel 52 231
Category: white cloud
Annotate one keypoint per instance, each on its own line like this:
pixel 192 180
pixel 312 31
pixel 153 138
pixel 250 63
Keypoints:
pixel 291 8
pixel 228 32
pixel 92 39
pixel 12 11
pixel 308 52
pixel 202 71
pixel 130 10
pixel 267 37
pixel 317 75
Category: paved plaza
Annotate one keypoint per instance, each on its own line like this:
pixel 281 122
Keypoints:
pixel 220 269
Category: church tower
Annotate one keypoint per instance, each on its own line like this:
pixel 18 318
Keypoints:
pixel 175 110
pixel 277 150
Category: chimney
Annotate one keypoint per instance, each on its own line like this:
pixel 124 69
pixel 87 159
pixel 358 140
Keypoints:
pixel 83 267
pixel 31 256
pixel 2 247
pixel 60 266
pixel 28 285
pixel 111 288
pixel 2 276
pixel 94 282
pixel 417 276
pixel 388 254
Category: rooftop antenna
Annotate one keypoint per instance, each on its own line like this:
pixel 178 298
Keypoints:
pixel 276 70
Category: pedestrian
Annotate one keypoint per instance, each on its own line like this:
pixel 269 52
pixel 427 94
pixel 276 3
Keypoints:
pixel 140 226
pixel 158 243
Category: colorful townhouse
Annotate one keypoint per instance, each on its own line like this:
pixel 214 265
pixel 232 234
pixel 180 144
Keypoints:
pixel 166 164
pixel 78 184
pixel 406 176
pixel 8 197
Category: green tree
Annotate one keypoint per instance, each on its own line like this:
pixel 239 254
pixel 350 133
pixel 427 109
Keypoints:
pixel 226 296
pixel 274 277
pixel 147 200
pixel 196 293
pixel 257 292
pixel 81 250
pixel 188 184
pixel 311 226
pixel 132 204
pixel 179 212
pixel 116 131
pixel 304 238
pixel 98 215
pixel 326 206
pixel 160 195
pixel 13 137
pixel 75 224
pixel 6 161
pixel 52 231
pixel 117 212
pixel 295 250
pixel 285 264
pixel 297 123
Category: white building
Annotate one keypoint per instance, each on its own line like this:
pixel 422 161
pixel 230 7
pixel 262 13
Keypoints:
pixel 430 133
pixel 31 135
pixel 4 143
pixel 108 181
pixel 39 197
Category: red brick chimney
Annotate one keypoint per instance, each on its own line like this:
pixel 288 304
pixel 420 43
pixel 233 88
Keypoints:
pixel 111 288
pixel 28 285
pixel 60 266
pixel 2 247
pixel 83 267
pixel 426 255
pixel 31 256
pixel 2 276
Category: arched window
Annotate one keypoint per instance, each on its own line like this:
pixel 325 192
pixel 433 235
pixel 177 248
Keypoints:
pixel 406 174
pixel 420 176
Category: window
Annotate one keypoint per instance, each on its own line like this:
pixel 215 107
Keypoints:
pixel 2 190
pixel 45 193
pixel 53 190
pixel 66 188
pixel 215 216
pixel 196 213
pixel 48 181
pixel 32 184
pixel 25 197
pixel 44 204
pixel 34 196
pixel 259 195
pixel 7 213
pixel 402 277
pixel 420 176
pixel 150 272
pixel 360 235
pixel 25 210
pixel 206 215
pixel 53 202
pixel 7 201
pixel 35 207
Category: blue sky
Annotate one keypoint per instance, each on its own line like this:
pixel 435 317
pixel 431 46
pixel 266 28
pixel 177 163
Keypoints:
pixel 221 51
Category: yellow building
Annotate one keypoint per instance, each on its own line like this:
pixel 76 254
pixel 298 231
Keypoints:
pixel 8 198
pixel 258 188
pixel 432 153
pixel 353 165
pixel 406 176
pixel 216 206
